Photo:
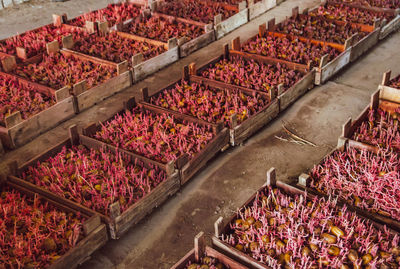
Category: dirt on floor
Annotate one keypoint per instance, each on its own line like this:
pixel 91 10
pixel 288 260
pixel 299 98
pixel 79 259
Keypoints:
pixel 234 175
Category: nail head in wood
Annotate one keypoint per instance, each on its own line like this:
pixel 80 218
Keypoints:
pixel 271 177
pixel 303 179
pixel 218 226
pixel 199 246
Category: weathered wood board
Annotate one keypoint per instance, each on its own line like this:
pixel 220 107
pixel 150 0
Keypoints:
pixel 260 7
pixel 231 23
pixel 365 44
pixel 324 73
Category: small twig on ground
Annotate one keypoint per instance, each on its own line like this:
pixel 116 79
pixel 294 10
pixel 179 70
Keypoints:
pixel 297 137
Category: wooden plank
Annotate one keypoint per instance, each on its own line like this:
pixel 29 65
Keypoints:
pixel 154 64
pixel 45 120
pixel 256 9
pixel 230 24
pixel 142 39
pixel 87 58
pixel 297 90
pixel 197 43
pixel 389 94
pixel 202 157
pixel 250 126
pixel 145 205
pixel 390 27
pixel 364 44
pixel 100 92
pixel 210 252
pixel 324 73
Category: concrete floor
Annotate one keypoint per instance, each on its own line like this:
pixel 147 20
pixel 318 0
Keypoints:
pixel 226 183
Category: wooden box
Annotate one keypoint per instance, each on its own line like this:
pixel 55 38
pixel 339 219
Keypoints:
pixel 200 250
pixel 190 46
pixel 95 233
pixel 187 167
pixel 18 131
pixel 224 228
pixel 238 133
pixel 117 222
pixel 385 98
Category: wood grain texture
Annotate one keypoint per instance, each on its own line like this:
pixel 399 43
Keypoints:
pixel 231 23
pixel 364 44
pixel 197 43
pixel 330 69
pixel 100 92
pixel 390 27
pixel 259 8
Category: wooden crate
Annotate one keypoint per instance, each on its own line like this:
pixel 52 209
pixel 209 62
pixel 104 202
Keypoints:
pixel 200 250
pixel 238 133
pixel 95 233
pixel 326 69
pixel 142 69
pixel 221 228
pixel 188 47
pixel 304 182
pixel 285 98
pixel 256 9
pixel 385 98
pixel 21 54
pixel 18 131
pixel 117 222
pixel 222 28
pixel 386 27
pixel 86 98
pixel 187 167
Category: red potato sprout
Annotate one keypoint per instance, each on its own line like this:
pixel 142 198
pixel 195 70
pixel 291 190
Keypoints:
pixel 395 82
pixel 251 74
pixel 210 104
pixel 57 71
pixel 292 50
pixel 16 97
pixel 320 29
pixel 381 130
pixel 287 231
pixel 95 179
pixel 363 179
pixel 113 13
pixel 350 14
pixel 33 233
pixel 393 4
pixel 156 136
pixel 206 262
pixel 194 10
pixel 34 42
pixel 115 48
pixel 163 30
